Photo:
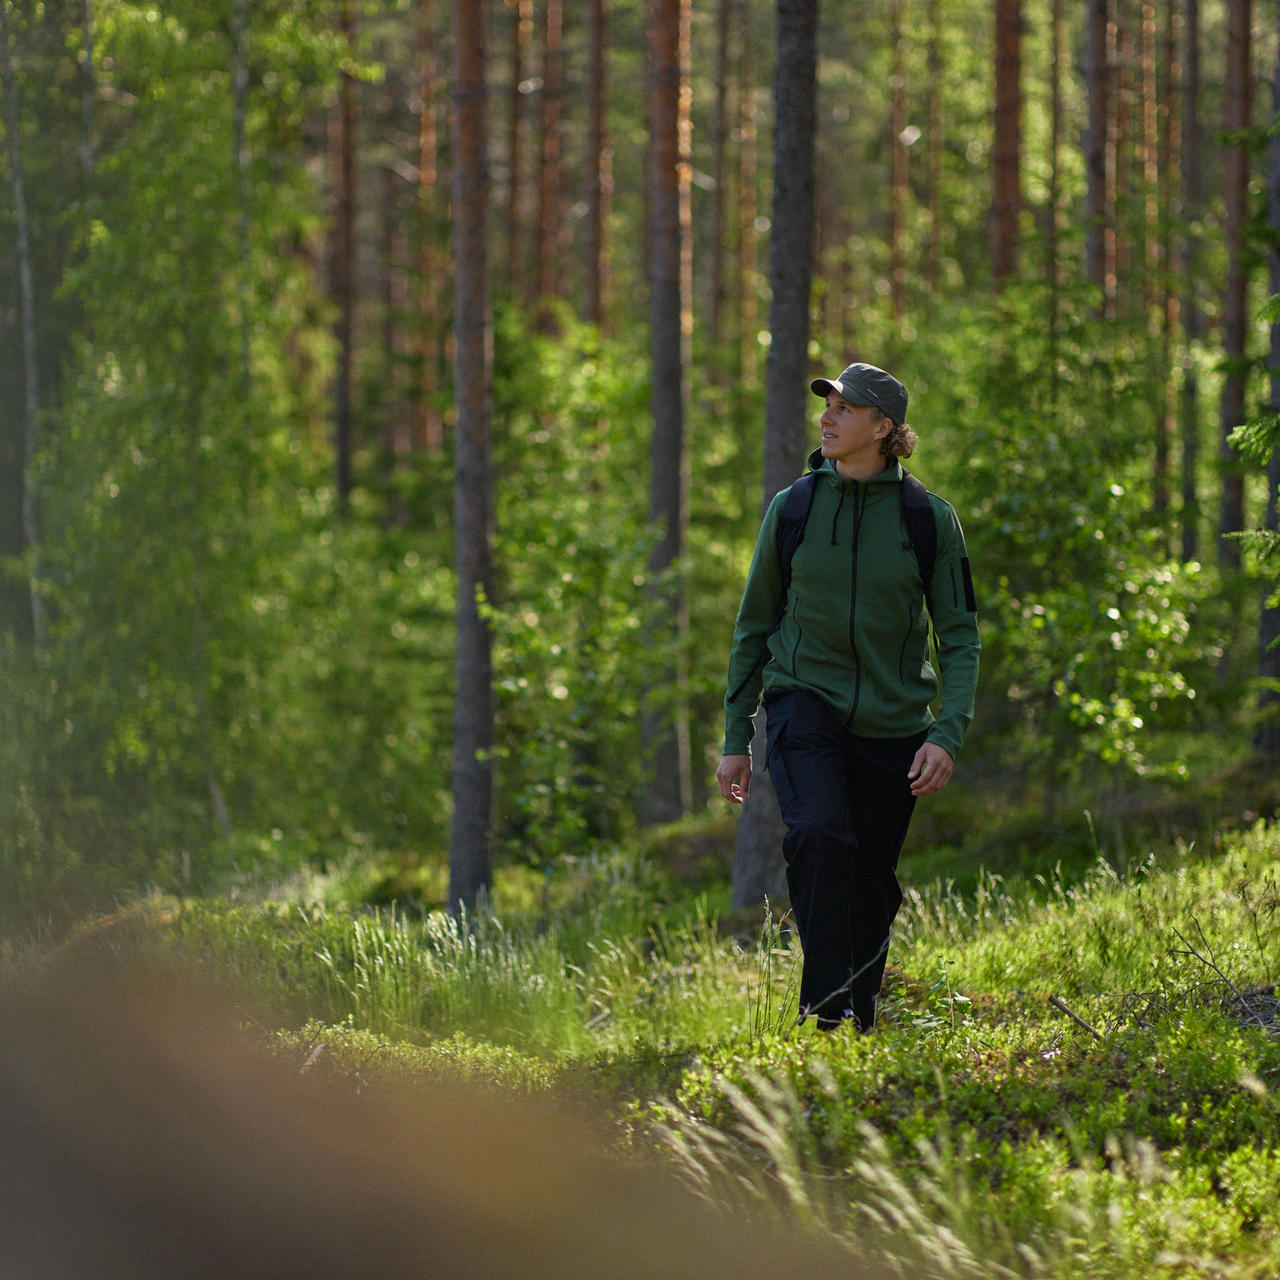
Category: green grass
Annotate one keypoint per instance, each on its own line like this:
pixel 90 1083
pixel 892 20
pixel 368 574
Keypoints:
pixel 1073 1077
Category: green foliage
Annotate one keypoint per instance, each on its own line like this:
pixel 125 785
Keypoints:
pixel 985 1133
pixel 345 1055
pixel 1089 626
pixel 230 683
pixel 1257 441
pixel 572 613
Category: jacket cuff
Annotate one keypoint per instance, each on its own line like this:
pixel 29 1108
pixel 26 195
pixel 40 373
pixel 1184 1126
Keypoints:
pixel 737 738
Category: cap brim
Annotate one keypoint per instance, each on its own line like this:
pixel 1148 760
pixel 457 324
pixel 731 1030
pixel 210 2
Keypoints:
pixel 824 387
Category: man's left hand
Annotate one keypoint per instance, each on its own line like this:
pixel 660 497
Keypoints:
pixel 931 770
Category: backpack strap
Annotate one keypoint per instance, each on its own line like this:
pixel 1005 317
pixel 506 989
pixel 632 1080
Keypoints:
pixel 791 523
pixel 790 533
pixel 921 525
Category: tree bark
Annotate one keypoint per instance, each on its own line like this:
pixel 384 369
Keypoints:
pixel 667 729
pixel 1267 738
pixel 470 844
pixel 521 40
pixel 933 165
pixel 1121 154
pixel 758 870
pixel 748 269
pixel 396 428
pixel 898 193
pixel 1192 316
pixel 27 317
pixel 1166 153
pixel 88 92
pixel 240 153
pixel 719 247
pixel 342 274
pixel 428 420
pixel 1053 266
pixel 547 222
pixel 1099 269
pixel 1237 118
pixel 1007 152
pixel 599 164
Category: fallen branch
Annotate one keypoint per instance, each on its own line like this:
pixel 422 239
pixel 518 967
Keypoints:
pixel 1211 964
pixel 1062 1006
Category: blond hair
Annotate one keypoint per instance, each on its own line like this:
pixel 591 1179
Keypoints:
pixel 900 442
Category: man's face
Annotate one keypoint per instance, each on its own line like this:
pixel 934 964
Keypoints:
pixel 851 433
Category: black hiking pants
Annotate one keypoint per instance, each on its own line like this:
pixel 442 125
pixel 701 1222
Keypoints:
pixel 847 804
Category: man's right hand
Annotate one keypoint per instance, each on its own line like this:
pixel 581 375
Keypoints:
pixel 733 773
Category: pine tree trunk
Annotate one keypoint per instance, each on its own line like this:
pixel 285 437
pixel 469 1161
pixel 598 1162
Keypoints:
pixel 1192 316
pixel 748 266
pixel 1098 269
pixel 27 320
pixel 546 251
pixel 470 844
pixel 342 272
pixel 88 91
pixel 427 431
pixel 898 192
pixel 757 870
pixel 1238 116
pixel 1120 157
pixel 933 166
pixel 599 162
pixel 1053 266
pixel 396 432
pixel 521 40
pixel 719 247
pixel 1167 151
pixel 666 728
pixel 1267 739
pixel 1007 157
pixel 240 145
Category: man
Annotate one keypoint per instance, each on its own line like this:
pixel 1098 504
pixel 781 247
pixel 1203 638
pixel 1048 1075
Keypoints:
pixel 843 659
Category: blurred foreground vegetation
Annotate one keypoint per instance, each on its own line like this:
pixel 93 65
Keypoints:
pixel 1075 1075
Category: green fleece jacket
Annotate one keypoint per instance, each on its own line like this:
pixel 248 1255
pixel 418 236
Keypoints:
pixel 855 629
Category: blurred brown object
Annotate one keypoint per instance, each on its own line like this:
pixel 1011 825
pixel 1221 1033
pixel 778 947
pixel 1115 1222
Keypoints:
pixel 143 1135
